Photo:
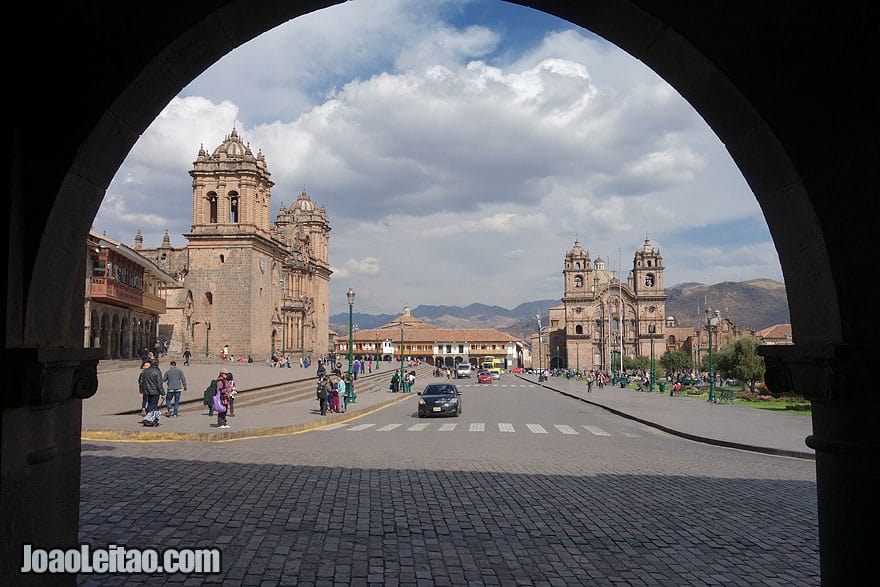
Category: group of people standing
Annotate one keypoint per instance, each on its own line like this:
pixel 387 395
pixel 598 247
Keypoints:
pixel 333 393
pixel 405 386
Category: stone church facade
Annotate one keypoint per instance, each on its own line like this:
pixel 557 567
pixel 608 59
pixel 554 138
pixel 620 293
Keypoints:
pixel 244 281
pixel 602 319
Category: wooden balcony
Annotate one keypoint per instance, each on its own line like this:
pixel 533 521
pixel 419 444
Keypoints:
pixel 113 292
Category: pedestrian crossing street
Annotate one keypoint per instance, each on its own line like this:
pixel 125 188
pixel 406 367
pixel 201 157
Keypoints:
pixel 503 427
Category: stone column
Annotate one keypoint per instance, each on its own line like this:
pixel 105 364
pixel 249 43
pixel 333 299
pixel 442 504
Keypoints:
pixel 845 403
pixel 40 462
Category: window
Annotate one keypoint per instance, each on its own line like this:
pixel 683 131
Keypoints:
pixel 578 281
pixel 212 203
pixel 578 329
pixel 649 279
pixel 233 209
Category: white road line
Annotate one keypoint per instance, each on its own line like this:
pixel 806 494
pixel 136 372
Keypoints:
pixel 335 426
pixel 417 427
pixel 361 427
pixel 477 427
pixel 595 430
pixel 565 429
pixel 505 427
pixel 537 428
pixel 631 435
pixel 388 427
pixel 447 427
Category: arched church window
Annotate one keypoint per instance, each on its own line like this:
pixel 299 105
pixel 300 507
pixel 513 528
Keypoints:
pixel 233 209
pixel 578 329
pixel 577 265
pixel 649 278
pixel 212 203
pixel 578 281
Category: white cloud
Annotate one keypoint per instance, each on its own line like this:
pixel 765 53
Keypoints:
pixel 430 147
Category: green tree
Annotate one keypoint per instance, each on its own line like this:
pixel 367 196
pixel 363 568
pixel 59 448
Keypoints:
pixel 739 359
pixel 636 363
pixel 673 361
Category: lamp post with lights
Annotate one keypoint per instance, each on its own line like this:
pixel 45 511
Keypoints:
pixel 712 320
pixel 352 397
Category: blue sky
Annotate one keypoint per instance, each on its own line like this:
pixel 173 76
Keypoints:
pixel 459 149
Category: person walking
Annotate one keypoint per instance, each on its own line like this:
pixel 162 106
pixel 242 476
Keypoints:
pixel 150 385
pixel 231 392
pixel 334 395
pixel 323 393
pixel 186 357
pixel 395 382
pixel 221 399
pixel 176 381
pixel 341 391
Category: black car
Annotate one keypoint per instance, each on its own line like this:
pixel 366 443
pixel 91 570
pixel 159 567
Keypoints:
pixel 439 399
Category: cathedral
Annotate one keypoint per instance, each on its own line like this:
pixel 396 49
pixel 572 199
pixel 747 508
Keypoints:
pixel 244 283
pixel 602 319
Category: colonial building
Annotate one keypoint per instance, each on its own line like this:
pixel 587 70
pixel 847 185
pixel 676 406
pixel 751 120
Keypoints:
pixel 601 318
pixel 124 299
pixel 245 282
pixel 442 347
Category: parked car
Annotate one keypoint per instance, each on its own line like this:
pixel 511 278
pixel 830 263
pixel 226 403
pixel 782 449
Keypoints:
pixel 484 377
pixel 439 399
pixel 517 370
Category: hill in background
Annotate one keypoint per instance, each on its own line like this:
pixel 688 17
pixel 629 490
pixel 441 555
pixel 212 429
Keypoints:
pixel 753 304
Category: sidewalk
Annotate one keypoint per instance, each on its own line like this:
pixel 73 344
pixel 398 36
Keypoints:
pixel 727 425
pixel 114 412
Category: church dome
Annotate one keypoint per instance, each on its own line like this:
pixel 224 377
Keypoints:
pixel 232 146
pixel 304 203
pixel 577 250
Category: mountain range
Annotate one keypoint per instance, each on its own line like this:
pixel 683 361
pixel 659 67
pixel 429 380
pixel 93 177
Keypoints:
pixel 752 304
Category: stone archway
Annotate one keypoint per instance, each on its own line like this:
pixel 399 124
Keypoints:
pixel 807 150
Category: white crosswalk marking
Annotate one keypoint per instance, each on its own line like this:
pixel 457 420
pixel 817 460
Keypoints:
pixel 361 426
pixel 631 435
pixel 477 427
pixel 565 429
pixel 537 428
pixel 447 427
pixel 388 427
pixel 505 427
pixel 417 427
pixel 595 430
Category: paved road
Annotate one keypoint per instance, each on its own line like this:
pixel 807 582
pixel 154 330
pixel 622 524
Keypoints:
pixel 720 424
pixel 369 499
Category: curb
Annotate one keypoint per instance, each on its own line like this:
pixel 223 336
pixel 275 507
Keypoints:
pixel 686 435
pixel 154 436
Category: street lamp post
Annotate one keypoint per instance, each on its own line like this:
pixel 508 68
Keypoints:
pixel 350 388
pixel 540 365
pixel 711 320
pixel 207 332
pixel 400 383
pixel 651 330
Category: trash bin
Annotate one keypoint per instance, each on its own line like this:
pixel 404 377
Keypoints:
pixel 662 387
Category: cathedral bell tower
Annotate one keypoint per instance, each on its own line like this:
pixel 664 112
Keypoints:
pixel 578 275
pixel 647 283
pixel 231 190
